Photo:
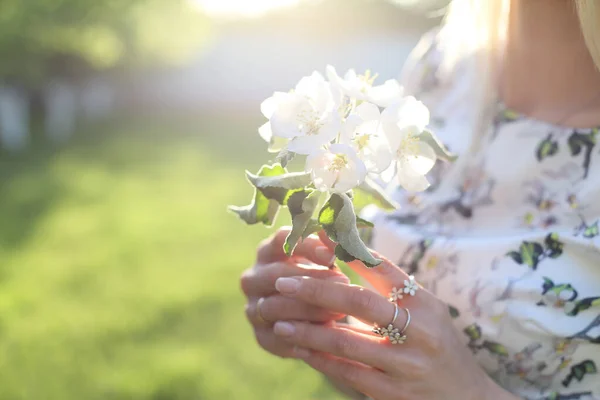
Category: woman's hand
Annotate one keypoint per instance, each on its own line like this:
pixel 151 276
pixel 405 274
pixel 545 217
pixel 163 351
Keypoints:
pixel 265 306
pixel 433 363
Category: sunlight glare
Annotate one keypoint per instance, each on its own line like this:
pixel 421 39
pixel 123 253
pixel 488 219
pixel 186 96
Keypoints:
pixel 241 8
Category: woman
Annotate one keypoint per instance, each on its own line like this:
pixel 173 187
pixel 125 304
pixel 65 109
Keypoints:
pixel 505 244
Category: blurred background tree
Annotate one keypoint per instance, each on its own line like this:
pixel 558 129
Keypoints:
pixel 73 38
pixel 117 276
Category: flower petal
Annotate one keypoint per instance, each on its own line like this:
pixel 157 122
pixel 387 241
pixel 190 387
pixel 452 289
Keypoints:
pixel 419 163
pixel 284 121
pixel 368 111
pixel 349 128
pixel 265 132
pixel 269 106
pixel 411 182
pixel 277 144
pixel 411 112
pixel 386 94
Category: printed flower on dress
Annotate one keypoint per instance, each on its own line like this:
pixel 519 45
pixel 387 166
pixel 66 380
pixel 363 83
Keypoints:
pixel 360 87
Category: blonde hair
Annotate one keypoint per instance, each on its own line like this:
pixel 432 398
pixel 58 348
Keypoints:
pixel 589 16
pixel 473 36
pixel 475 30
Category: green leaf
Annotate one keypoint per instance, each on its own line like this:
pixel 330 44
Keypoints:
pixel 473 331
pixel 516 256
pixel 440 150
pixel 554 245
pixel 284 157
pixel 591 231
pixel 261 209
pixel 339 221
pixel 454 313
pixel 302 205
pixel 374 194
pixel 495 348
pixel 579 371
pixel 313 226
pixel 531 253
pixel 583 305
pixel 363 223
pixel 278 187
pixel 546 148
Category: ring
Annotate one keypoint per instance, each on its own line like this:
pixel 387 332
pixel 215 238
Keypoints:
pixel 403 330
pixel 395 335
pixel 258 313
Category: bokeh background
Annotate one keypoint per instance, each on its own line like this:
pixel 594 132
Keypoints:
pixel 125 127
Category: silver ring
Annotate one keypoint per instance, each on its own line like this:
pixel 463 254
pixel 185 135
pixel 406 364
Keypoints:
pixel 395 335
pixel 395 314
pixel 403 330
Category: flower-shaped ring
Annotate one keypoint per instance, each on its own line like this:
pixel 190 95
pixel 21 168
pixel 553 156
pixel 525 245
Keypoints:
pixel 410 288
pixel 395 335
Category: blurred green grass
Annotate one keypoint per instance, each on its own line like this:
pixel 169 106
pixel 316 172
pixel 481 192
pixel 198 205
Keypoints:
pixel 119 268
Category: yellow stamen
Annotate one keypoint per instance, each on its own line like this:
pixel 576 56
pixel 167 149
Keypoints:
pixel 339 162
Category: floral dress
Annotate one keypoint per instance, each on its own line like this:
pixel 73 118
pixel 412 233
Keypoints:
pixel 512 245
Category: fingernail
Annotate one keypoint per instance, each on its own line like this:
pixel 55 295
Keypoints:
pixel 324 256
pixel 301 353
pixel 284 329
pixel 287 285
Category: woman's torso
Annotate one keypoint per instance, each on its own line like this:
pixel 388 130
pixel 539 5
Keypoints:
pixel 512 245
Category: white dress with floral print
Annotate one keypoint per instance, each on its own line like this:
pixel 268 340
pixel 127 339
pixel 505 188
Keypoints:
pixel 512 246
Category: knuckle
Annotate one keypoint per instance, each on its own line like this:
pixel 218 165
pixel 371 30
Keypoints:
pixel 264 340
pixel 419 371
pixel 263 247
pixel 246 281
pixel 344 345
pixel 432 344
pixel 248 311
pixel 363 301
pixel 314 289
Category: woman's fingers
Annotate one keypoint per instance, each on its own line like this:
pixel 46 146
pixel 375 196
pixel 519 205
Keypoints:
pixel 370 350
pixel 365 379
pixel 357 301
pixel 267 310
pixel 383 277
pixel 273 344
pixel 310 249
pixel 260 282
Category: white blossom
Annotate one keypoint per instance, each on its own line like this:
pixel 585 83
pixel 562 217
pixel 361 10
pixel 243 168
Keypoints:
pixel 361 87
pixel 308 116
pixel 336 168
pixel 362 130
pixel 402 123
